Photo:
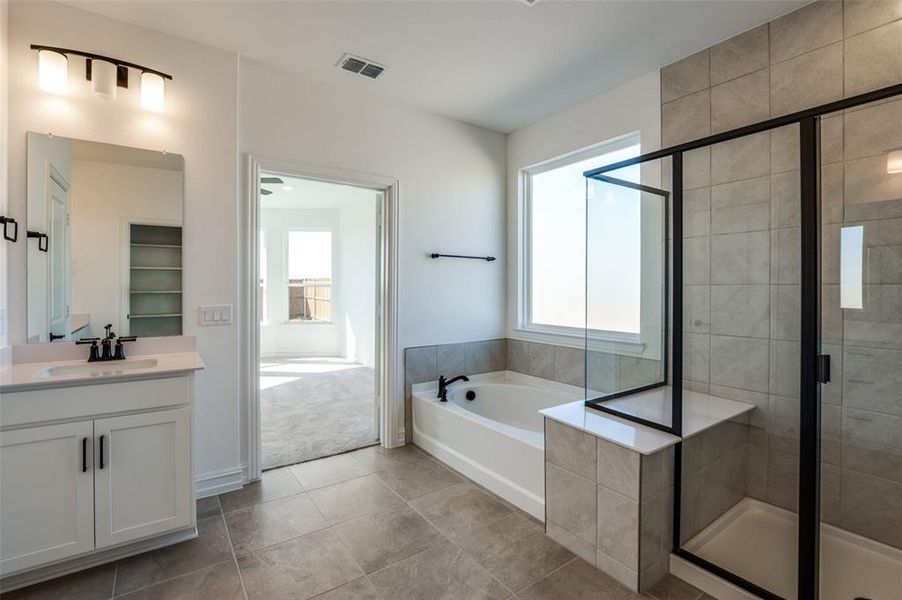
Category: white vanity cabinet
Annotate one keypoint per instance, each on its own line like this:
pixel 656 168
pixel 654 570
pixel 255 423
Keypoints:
pixel 115 473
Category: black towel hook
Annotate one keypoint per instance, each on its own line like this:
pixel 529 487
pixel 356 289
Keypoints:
pixel 7 221
pixel 43 239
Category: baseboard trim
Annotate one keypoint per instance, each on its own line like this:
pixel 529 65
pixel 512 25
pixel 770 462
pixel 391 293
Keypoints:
pixel 93 559
pixel 213 483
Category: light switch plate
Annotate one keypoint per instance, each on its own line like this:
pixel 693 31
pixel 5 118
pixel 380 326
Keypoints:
pixel 214 314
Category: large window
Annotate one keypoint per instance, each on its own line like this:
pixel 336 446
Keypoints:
pixel 554 274
pixel 309 276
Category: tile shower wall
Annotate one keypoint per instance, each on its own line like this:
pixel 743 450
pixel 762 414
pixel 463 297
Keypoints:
pixel 741 276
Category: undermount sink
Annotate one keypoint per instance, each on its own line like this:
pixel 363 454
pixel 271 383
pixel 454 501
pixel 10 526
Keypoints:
pixel 98 369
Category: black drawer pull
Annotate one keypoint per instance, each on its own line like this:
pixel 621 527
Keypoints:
pixel 101 451
pixel 84 455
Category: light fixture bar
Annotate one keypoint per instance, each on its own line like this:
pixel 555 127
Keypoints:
pixel 92 56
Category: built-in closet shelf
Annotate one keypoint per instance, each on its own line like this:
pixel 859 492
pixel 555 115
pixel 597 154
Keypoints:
pixel 155 286
pixel 154 316
pixel 155 292
pixel 156 268
pixel 156 246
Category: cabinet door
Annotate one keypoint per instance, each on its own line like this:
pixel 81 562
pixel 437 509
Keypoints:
pixel 46 494
pixel 142 475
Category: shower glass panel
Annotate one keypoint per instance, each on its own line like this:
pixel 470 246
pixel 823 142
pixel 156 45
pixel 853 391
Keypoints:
pixel 741 342
pixel 861 329
pixel 626 254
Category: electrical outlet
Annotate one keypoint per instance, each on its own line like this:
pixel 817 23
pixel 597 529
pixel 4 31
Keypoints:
pixel 214 314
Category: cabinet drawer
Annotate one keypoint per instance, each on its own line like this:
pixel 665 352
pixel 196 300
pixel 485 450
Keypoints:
pixel 35 406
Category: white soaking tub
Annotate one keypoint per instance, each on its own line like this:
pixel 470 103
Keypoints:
pixel 498 438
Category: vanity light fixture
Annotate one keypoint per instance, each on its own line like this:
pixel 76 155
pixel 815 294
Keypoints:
pixel 106 74
pixel 53 71
pixel 894 161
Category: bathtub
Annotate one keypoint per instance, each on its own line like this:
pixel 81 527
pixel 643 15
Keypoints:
pixel 497 440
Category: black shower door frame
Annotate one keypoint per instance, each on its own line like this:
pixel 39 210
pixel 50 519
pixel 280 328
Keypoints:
pixel 814 366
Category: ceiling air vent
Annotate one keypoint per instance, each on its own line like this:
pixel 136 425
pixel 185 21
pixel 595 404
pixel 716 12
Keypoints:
pixel 361 66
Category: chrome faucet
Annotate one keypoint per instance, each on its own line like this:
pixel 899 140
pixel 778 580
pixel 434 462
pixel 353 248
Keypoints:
pixel 444 383
pixel 105 351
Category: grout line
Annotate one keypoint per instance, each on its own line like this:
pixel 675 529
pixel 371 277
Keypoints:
pixel 168 579
pixel 115 577
pixel 234 557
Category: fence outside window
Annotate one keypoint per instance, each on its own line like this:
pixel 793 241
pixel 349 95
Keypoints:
pixel 309 300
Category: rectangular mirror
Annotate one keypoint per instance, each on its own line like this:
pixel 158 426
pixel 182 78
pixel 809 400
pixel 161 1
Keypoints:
pixel 104 240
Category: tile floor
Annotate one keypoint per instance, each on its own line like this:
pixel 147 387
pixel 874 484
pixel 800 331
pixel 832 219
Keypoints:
pixel 373 524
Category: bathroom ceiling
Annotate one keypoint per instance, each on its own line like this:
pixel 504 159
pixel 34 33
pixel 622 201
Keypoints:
pixel 500 64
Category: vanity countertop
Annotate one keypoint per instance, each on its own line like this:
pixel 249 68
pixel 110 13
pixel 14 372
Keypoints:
pixel 37 375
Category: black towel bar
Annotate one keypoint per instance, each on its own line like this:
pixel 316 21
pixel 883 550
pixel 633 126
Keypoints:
pixel 485 258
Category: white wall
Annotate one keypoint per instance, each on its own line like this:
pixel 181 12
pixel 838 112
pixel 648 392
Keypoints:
pixel 633 106
pixel 200 122
pixel 304 339
pixel 357 287
pixel 102 195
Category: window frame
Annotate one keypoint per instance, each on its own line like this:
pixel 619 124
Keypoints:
pixel 640 344
pixel 284 286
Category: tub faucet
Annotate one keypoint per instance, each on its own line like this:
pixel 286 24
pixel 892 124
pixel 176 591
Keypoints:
pixel 444 383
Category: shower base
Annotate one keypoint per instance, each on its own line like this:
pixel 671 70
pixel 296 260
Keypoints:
pixel 757 541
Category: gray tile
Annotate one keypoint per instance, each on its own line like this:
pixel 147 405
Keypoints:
pixel 221 582
pixel 872 507
pixel 515 550
pixel 377 458
pixel 601 372
pixel 740 258
pixel 517 356
pixel 572 542
pixel 570 365
pixel 831 139
pixel 686 119
pixel 696 308
pixel 741 206
pixel 653 512
pixel 486 357
pixel 740 101
pixel 263 525
pixel 354 498
pixel 577 580
pixel 671 588
pixel 785 310
pixel 786 200
pixel 803 30
pixel 441 572
pixel 808 80
pixel 629 578
pixel 451 360
pixel 785 246
pixel 685 76
pixel 739 363
pixel 740 55
pixel 783 479
pixel 540 360
pixel 209 548
pixel 657 472
pixel 870 193
pixel 740 310
pixel 696 261
pixel 208 507
pixel 873 59
pixel 618 468
pixel 832 193
pixel 697 168
pixel 872 443
pixel 871 380
pixel 784 368
pixel 618 527
pixel 861 15
pixel 274 484
pixel 460 509
pixel 697 212
pixel 381 539
pixel 326 471
pixel 742 158
pixel 418 479
pixel 420 364
pixel 92 584
pixel 634 372
pixel 359 589
pixel 868 131
pixel 300 568
pixel 697 357
pixel 570 502
pixel 570 448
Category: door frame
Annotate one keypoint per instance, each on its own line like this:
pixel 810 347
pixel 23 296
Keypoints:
pixel 390 399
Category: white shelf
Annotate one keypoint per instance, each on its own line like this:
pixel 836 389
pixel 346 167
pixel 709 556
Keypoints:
pixel 156 268
pixel 155 291
pixel 155 245
pixel 155 316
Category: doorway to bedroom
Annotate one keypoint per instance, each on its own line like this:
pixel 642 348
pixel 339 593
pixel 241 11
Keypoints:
pixel 319 262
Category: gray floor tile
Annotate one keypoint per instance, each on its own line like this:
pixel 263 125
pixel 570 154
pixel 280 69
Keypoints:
pixel 413 481
pixel 460 509
pixel 209 548
pixel 275 484
pixel 441 572
pixel 220 582
pixel 360 589
pixel 672 588
pixel 515 550
pixel 327 471
pixel 300 568
pixel 272 523
pixel 354 498
pixel 382 539
pixel 578 580
pixel 208 507
pixel 93 584
pixel 378 458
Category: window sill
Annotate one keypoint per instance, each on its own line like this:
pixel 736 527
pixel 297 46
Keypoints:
pixel 305 323
pixel 624 345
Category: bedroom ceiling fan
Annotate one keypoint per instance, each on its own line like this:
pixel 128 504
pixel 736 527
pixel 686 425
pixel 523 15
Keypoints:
pixel 271 181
